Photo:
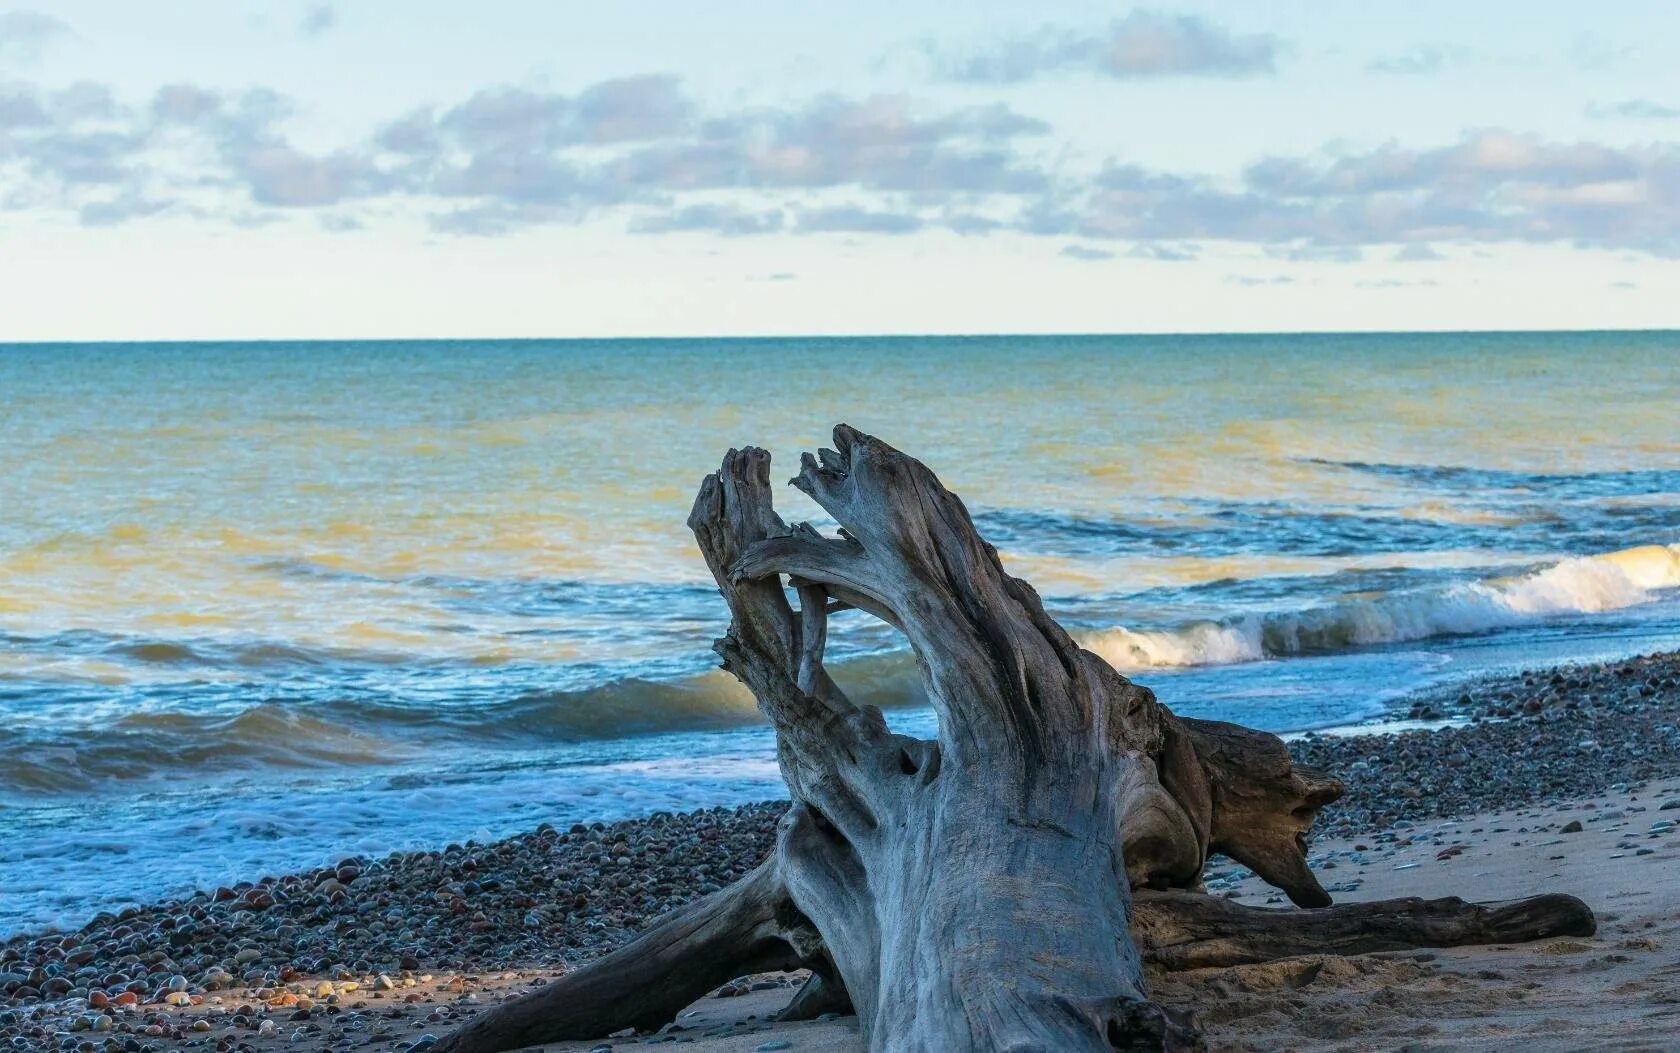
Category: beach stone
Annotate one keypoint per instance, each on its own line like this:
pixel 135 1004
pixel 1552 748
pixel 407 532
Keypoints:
pixel 1572 827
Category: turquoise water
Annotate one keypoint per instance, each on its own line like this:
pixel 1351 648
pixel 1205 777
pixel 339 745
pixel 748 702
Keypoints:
pixel 265 604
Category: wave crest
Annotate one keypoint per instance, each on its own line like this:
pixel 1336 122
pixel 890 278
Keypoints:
pixel 1580 585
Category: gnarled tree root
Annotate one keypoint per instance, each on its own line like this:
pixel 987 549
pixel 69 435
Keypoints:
pixel 753 926
pixel 1188 930
pixel 975 891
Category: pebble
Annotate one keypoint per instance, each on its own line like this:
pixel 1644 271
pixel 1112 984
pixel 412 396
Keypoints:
pixel 465 909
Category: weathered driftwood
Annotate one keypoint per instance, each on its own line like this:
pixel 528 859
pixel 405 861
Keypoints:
pixel 973 892
pixel 753 926
pixel 1187 930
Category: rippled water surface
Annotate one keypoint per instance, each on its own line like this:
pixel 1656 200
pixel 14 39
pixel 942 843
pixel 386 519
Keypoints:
pixel 266 604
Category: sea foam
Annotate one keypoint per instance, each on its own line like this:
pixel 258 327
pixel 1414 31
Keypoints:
pixel 1578 585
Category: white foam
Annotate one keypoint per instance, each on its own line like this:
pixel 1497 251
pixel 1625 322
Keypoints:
pixel 1580 585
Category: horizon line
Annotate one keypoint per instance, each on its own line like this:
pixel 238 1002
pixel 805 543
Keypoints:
pixel 1046 335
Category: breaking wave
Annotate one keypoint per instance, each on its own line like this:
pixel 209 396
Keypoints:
pixel 396 723
pixel 1580 585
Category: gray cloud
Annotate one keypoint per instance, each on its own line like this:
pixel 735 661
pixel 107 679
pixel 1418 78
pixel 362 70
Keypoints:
pixel 1080 252
pixel 515 119
pixel 120 209
pixel 317 20
pixel 1634 109
pixel 1397 283
pixel 24 33
pixel 1492 186
pixel 727 220
pixel 639 148
pixel 878 143
pixel 1251 280
pixel 1315 253
pixel 854 220
pixel 1142 44
pixel 1420 60
pixel 1589 51
pixel 1416 252
pixel 1164 253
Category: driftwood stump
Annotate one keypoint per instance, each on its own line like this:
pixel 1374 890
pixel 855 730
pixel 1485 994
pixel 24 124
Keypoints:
pixel 974 892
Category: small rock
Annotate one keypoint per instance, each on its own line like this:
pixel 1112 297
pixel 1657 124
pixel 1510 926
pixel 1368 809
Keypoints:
pixel 1572 827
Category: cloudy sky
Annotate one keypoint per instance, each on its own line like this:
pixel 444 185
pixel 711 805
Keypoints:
pixel 232 169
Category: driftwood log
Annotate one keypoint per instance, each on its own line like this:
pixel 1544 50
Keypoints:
pixel 1002 887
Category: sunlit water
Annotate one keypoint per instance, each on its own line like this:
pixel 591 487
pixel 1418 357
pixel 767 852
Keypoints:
pixel 263 605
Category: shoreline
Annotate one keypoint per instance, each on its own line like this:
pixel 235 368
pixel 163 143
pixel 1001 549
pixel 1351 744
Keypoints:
pixel 413 927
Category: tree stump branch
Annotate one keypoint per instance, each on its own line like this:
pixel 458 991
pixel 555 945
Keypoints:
pixel 974 892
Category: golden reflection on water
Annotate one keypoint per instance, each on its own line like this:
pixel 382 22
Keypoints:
pixel 290 492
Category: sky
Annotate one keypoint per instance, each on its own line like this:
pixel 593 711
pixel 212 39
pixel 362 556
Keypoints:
pixel 224 169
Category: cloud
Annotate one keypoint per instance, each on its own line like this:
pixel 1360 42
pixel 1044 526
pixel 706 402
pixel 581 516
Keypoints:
pixel 1421 60
pixel 1397 283
pixel 853 220
pixel 1143 44
pixel 120 209
pixel 23 34
pixel 1416 252
pixel 626 109
pixel 643 151
pixel 1312 252
pixel 881 143
pixel 1163 252
pixel 1634 109
pixel 1589 51
pixel 1251 280
pixel 1491 186
pixel 318 19
pixel 727 220
pixel 1080 252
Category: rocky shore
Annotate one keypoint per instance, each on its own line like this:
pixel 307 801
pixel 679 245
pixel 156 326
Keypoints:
pixel 330 959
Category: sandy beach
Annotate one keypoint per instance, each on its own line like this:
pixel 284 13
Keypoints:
pixel 1571 785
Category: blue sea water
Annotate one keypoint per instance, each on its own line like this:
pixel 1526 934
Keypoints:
pixel 266 604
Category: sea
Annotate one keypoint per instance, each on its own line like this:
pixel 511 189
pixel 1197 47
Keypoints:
pixel 267 605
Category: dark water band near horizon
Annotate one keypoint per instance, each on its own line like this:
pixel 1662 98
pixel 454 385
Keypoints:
pixel 266 605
